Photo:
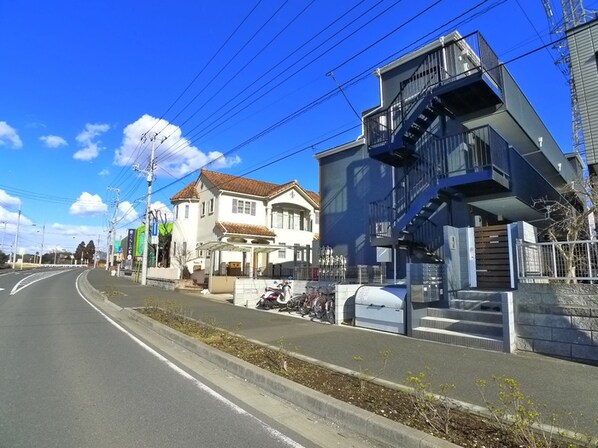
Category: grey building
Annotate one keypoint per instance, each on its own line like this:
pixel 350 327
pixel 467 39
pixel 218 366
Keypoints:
pixel 583 47
pixel 453 142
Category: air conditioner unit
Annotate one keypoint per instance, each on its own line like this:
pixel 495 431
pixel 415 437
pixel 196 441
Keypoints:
pixel 382 229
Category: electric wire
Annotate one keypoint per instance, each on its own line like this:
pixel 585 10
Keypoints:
pixel 358 78
pixel 206 65
pixel 269 70
pixel 219 121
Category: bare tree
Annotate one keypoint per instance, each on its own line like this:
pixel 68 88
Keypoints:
pixel 569 219
pixel 182 256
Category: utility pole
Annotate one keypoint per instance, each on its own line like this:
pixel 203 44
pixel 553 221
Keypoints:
pixel 14 258
pixel 41 253
pixel 150 178
pixel 95 255
pixel 3 235
pixel 111 232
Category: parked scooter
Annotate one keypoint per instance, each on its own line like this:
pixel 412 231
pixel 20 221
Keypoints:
pixel 277 296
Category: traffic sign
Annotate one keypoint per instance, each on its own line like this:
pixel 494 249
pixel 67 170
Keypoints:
pixel 154 228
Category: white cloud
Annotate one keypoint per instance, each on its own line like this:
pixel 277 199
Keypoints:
pixel 66 237
pixel 164 210
pixel 9 136
pixel 179 156
pixel 104 172
pixel 126 213
pixel 87 140
pixel 53 141
pixel 7 200
pixel 88 204
pixel 8 228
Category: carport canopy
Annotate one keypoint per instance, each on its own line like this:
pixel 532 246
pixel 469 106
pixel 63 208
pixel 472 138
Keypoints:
pixel 230 247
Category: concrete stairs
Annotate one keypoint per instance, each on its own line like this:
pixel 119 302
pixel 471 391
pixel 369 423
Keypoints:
pixel 474 319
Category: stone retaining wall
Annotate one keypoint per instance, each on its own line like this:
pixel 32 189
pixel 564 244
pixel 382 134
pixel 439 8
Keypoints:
pixel 558 319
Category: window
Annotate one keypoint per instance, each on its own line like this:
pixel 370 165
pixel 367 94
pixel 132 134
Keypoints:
pixel 174 249
pixel 282 252
pixel 244 207
pixel 186 211
pixel 211 207
pixel 176 212
pixel 292 219
pixel 317 218
pixel 277 219
pixel 203 208
pixel 185 248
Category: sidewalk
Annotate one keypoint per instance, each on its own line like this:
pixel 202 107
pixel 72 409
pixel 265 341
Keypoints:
pixel 562 385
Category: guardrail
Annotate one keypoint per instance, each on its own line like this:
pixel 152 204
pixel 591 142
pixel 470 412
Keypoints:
pixel 561 261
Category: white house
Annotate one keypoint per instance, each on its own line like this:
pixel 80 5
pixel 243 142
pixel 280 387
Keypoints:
pixel 247 227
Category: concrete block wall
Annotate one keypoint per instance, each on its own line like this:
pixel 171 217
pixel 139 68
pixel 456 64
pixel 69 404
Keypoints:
pixel 558 319
pixel 247 291
pixel 168 285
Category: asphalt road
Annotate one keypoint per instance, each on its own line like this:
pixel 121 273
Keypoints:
pixel 71 378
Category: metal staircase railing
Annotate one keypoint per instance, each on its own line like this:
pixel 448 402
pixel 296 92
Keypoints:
pixel 441 163
pixel 456 60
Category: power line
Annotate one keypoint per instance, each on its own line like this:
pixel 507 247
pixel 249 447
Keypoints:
pixel 184 91
pixel 219 120
pixel 358 78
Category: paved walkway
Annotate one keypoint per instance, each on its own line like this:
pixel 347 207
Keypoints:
pixel 562 385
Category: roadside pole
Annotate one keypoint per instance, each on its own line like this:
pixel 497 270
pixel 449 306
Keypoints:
pixel 150 179
pixel 14 258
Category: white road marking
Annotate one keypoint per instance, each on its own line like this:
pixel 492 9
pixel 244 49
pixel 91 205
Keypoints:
pixel 36 278
pixel 273 432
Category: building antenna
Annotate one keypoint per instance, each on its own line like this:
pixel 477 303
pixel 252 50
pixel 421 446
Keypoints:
pixel 331 74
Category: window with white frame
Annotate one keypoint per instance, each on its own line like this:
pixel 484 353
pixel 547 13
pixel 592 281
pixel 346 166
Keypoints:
pixel 184 248
pixel 292 219
pixel 203 208
pixel 186 211
pixel 282 252
pixel 211 206
pixel 277 219
pixel 176 212
pixel 243 207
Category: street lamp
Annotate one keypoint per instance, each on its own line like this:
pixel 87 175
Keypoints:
pixel 41 253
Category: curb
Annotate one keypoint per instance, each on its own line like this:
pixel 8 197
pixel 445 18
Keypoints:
pixel 343 414
pixel 367 424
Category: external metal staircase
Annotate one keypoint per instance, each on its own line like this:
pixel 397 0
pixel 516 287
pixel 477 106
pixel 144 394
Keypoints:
pixel 456 79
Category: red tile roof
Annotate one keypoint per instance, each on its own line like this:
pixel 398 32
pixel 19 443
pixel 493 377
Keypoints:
pixel 244 229
pixel 189 192
pixel 244 185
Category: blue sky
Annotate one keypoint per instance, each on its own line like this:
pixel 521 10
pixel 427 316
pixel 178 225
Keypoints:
pixel 81 82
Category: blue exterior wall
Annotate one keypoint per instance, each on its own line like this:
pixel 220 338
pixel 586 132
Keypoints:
pixel 349 181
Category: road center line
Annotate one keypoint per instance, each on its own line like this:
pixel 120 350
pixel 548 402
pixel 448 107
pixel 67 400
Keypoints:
pixel 273 432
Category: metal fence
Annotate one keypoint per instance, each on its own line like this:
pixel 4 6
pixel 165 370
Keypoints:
pixel 564 261
pixel 360 274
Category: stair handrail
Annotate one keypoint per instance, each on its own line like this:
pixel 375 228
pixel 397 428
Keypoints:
pixel 432 167
pixel 484 58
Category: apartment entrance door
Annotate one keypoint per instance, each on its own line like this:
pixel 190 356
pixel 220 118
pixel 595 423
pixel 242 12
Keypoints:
pixel 493 266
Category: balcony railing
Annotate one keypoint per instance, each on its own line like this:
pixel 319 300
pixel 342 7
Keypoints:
pixel 441 163
pixel 465 57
